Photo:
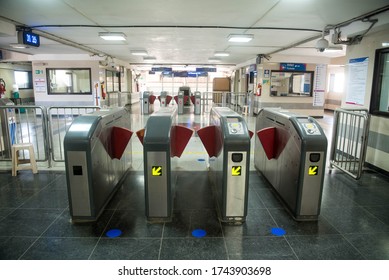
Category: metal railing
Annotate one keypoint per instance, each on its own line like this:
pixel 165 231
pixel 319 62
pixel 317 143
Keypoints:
pixel 24 124
pixel 59 121
pixel 349 141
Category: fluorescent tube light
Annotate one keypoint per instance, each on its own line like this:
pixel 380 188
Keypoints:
pixel 222 54
pixel 240 38
pixel 385 44
pixel 149 59
pixel 139 52
pixel 113 36
pixel 214 59
pixel 18 46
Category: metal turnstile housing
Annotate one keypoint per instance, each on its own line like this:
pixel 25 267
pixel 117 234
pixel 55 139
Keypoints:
pixel 92 175
pixel 160 177
pixel 230 163
pixel 297 164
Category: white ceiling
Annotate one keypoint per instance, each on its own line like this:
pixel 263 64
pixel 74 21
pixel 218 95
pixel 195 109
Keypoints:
pixel 181 45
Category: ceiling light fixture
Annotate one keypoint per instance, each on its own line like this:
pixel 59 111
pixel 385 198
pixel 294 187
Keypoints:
pixel 139 52
pixel 214 59
pixel 149 59
pixel 18 46
pixel 113 36
pixel 240 38
pixel 222 54
pixel 385 44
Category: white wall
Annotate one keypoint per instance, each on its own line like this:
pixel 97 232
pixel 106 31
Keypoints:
pixel 379 126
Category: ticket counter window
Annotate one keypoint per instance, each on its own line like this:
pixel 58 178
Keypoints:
pixel 380 94
pixel 69 81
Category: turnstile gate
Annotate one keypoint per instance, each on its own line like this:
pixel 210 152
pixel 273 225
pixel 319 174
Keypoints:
pixel 147 103
pixel 162 140
pixel 97 158
pixel 290 151
pixel 227 141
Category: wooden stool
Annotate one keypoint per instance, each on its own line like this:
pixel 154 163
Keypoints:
pixel 245 110
pixel 26 163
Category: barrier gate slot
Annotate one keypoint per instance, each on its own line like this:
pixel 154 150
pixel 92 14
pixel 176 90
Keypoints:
pixel 97 159
pixel 163 141
pixel 227 140
pixel 290 151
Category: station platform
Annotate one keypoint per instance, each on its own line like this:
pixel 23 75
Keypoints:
pixel 35 223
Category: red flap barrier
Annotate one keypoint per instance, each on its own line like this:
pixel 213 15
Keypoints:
pixel 141 135
pixel 176 99
pixel 251 134
pixel 211 140
pixel 168 99
pixel 152 99
pixel 267 137
pixel 179 138
pixel 119 139
pixel 186 99
pixel 193 99
pixel 115 140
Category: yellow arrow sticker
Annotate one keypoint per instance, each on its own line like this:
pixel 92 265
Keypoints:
pixel 236 171
pixel 156 170
pixel 313 170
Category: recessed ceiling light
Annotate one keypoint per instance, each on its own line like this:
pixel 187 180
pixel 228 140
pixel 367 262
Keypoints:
pixel 139 52
pixel 222 54
pixel 240 38
pixel 149 59
pixel 18 46
pixel 385 44
pixel 113 36
pixel 214 59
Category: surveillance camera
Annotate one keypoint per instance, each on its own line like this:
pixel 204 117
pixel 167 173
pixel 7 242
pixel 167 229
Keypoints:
pixel 321 45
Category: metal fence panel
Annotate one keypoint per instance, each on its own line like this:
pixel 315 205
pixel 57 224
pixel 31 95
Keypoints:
pixel 59 121
pixel 349 141
pixel 24 124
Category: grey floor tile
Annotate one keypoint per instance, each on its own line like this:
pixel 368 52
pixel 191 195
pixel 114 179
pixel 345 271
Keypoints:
pixel 353 220
pixel 14 197
pixel 285 221
pixel 380 212
pixel 64 227
pixel 127 249
pixel 323 247
pixel 180 224
pixel 52 248
pixel 28 222
pixel 48 198
pixel 11 248
pixel 373 246
pixel 193 249
pixel 4 212
pixel 259 248
pixel 134 224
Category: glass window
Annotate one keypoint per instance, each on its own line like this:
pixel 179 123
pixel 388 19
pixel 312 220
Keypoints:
pixel 284 83
pixel 69 81
pixel 23 79
pixel 379 104
pixel 336 83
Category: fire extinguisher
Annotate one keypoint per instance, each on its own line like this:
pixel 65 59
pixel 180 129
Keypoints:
pixel 2 88
pixel 103 94
pixel 259 89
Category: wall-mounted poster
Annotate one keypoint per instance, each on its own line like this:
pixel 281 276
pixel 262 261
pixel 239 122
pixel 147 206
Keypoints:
pixel 356 82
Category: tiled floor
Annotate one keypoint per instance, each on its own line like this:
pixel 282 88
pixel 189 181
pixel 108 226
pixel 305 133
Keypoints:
pixel 35 221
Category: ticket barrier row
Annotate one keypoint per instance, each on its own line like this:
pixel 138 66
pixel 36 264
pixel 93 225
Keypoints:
pixel 291 157
pixel 182 99
pixel 97 158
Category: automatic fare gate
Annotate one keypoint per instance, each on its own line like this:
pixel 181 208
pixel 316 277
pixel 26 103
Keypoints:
pixel 292 159
pixel 97 158
pixel 162 140
pixel 227 139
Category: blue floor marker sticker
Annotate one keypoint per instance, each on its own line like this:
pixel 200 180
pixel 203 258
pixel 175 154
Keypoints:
pixel 278 231
pixel 113 233
pixel 201 159
pixel 199 233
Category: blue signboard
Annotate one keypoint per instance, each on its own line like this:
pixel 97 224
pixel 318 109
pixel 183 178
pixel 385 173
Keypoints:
pixel 293 66
pixel 31 39
pixel 205 69
pixel 161 69
pixel 197 74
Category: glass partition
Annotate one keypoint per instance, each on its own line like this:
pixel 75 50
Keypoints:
pixel 69 81
pixel 291 83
